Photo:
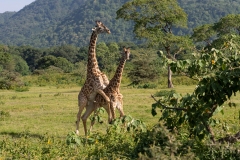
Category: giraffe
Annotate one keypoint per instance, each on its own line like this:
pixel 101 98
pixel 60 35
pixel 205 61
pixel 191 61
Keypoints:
pixel 96 81
pixel 112 91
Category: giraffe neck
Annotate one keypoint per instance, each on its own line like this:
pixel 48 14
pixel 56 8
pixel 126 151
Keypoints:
pixel 92 66
pixel 116 80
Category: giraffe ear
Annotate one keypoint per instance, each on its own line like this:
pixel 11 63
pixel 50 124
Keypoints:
pixel 94 29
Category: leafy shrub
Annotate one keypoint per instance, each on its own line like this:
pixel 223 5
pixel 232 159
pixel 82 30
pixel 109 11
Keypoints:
pixel 54 79
pixel 22 89
pixel 10 80
pixel 159 143
pixel 164 93
pixel 148 86
pixel 117 143
pixel 143 70
pixel 211 151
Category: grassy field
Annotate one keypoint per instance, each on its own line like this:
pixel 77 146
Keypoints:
pixel 52 111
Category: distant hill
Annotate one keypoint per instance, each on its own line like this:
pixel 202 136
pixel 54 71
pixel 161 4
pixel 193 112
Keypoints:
pixel 208 11
pixel 77 26
pixel 5 16
pixel 33 19
pixel 46 23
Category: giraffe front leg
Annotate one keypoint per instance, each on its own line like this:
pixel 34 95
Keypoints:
pixel 89 109
pixel 112 107
pixel 82 102
pixel 120 105
pixel 95 114
pixel 78 119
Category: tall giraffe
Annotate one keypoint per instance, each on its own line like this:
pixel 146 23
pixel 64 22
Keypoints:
pixel 112 91
pixel 96 81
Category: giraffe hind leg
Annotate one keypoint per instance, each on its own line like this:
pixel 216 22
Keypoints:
pixel 107 100
pixel 96 112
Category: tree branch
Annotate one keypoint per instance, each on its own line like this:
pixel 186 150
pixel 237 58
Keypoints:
pixel 176 53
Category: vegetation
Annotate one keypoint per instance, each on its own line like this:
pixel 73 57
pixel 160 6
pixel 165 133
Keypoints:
pixel 5 16
pixel 154 21
pixel 199 119
pixel 46 23
pixel 40 123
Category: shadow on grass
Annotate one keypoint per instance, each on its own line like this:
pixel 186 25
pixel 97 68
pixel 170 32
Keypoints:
pixel 22 134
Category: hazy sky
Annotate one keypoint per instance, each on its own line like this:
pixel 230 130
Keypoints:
pixel 13 5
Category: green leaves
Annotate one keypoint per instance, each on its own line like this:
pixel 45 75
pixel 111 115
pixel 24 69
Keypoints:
pixel 154 20
pixel 218 73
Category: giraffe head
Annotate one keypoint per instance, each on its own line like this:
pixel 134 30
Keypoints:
pixel 126 53
pixel 100 28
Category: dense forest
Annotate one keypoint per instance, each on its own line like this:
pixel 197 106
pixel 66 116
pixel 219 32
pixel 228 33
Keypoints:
pixel 46 23
pixel 5 16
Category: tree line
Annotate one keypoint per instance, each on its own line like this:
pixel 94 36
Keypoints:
pixel 16 62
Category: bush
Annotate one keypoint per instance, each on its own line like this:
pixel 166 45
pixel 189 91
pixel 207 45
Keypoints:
pixel 147 86
pixel 159 143
pixel 22 89
pixel 208 151
pixel 164 93
pixel 10 80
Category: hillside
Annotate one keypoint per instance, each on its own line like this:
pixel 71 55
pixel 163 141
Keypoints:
pixel 208 11
pixel 5 16
pixel 76 27
pixel 47 23
pixel 34 19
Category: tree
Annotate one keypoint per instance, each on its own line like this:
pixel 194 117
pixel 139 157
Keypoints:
pixel 204 33
pixel 60 62
pixel 9 78
pixel 107 55
pixel 143 70
pixel 154 20
pixel 45 62
pixel 7 61
pixel 229 24
pixel 21 65
pixel 217 72
pixel 216 34
pixel 64 64
pixel 66 51
pixel 31 56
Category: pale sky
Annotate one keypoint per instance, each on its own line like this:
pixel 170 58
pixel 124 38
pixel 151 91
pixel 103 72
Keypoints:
pixel 13 5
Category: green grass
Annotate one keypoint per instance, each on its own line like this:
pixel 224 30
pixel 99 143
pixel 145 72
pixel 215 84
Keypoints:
pixel 52 111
